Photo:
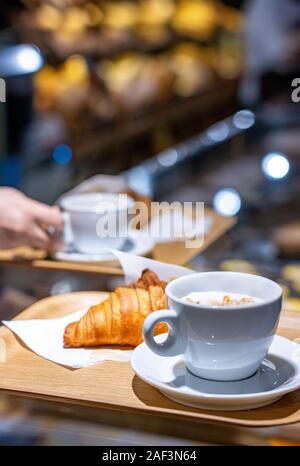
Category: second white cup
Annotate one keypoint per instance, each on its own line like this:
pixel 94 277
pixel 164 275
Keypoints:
pixel 96 221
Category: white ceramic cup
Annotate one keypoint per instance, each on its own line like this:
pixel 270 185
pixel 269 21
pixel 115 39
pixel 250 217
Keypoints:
pixel 95 221
pixel 225 343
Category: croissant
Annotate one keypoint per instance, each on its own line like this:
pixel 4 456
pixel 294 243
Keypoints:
pixel 119 319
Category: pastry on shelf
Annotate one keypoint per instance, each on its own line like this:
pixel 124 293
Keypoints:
pixel 153 22
pixel 156 12
pixel 192 73
pixel 229 18
pixel 95 14
pixel 70 25
pixel 154 83
pixel 75 21
pixel 119 72
pixel 53 83
pixel 137 80
pixel 64 89
pixel 75 70
pixel 120 15
pixel 119 319
pixel 48 17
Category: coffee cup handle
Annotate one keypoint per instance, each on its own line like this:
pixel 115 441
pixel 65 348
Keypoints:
pixel 171 346
pixel 67 233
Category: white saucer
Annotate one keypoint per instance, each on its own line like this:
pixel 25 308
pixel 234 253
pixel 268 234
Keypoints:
pixel 139 246
pixel 279 374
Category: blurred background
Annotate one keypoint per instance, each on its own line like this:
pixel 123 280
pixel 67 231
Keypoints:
pixel 99 86
pixel 189 100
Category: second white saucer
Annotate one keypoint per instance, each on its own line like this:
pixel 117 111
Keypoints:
pixel 278 375
pixel 139 246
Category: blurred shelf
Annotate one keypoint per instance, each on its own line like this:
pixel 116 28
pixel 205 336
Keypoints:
pixel 104 29
pixel 219 94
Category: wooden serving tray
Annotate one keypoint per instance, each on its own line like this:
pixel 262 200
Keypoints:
pixel 173 253
pixel 113 385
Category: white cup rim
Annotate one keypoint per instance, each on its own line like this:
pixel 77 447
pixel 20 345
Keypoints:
pixel 66 202
pixel 238 275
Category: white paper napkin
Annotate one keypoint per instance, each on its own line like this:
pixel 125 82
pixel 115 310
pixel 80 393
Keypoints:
pixel 133 267
pixel 45 337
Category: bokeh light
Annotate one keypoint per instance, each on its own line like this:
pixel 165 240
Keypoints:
pixel 244 119
pixel 218 132
pixel 62 154
pixel 227 202
pixel 29 58
pixel 275 166
pixel 168 158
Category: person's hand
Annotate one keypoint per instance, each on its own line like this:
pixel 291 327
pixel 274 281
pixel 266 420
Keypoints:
pixel 24 221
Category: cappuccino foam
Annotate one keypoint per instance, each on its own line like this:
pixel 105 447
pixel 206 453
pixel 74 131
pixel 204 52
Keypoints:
pixel 220 299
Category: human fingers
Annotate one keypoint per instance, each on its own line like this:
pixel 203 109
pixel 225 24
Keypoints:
pixel 48 216
pixel 56 244
pixel 38 238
